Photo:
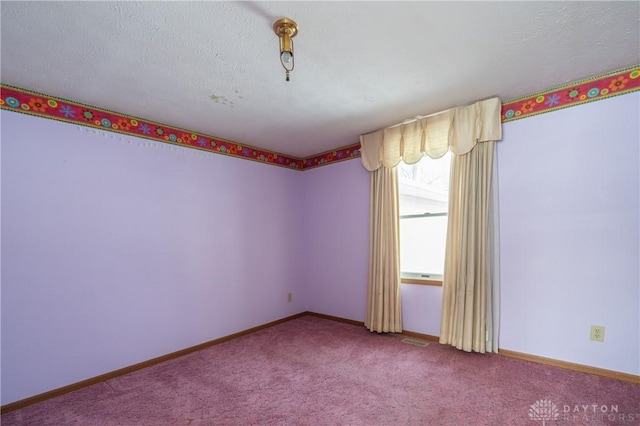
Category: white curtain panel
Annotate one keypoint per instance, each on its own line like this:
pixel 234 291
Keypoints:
pixel 383 310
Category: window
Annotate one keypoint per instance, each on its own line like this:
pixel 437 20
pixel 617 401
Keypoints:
pixel 424 199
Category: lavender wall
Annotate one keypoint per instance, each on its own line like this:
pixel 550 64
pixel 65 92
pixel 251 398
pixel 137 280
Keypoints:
pixel 421 308
pixel 569 223
pixel 336 236
pixel 116 250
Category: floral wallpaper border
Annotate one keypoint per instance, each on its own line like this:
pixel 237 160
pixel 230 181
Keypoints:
pixel 28 102
pixel 605 86
pixel 333 156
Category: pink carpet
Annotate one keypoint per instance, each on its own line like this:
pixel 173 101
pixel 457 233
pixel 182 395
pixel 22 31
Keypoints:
pixel 312 371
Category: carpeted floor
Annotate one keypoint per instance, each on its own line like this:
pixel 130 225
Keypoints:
pixel 312 371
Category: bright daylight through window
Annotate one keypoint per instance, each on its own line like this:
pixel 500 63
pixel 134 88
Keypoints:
pixel 424 198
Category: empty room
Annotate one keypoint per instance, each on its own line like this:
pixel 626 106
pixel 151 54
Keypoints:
pixel 320 213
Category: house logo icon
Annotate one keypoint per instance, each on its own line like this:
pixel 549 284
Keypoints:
pixel 543 410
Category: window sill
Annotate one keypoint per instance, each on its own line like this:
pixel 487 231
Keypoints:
pixel 421 281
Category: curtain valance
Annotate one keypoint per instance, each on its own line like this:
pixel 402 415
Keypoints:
pixel 457 129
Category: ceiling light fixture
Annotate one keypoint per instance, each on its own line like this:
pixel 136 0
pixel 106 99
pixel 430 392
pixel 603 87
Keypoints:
pixel 286 29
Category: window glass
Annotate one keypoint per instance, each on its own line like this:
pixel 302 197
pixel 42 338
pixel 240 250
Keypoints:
pixel 424 198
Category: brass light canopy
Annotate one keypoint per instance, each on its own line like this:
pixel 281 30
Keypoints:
pixel 286 29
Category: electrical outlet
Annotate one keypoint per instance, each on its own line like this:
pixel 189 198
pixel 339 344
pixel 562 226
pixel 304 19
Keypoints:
pixel 289 297
pixel 597 333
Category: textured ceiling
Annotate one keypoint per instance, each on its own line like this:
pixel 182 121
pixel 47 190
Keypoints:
pixel 213 67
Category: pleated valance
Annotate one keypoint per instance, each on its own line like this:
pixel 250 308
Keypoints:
pixel 457 129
